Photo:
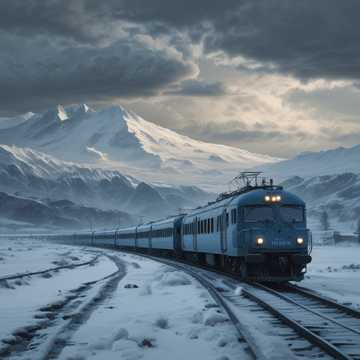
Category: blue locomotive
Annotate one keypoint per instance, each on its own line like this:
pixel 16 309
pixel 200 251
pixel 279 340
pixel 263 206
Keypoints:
pixel 257 232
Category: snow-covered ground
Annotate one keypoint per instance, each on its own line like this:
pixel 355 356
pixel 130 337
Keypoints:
pixel 335 272
pixel 150 311
pixel 20 255
pixel 124 306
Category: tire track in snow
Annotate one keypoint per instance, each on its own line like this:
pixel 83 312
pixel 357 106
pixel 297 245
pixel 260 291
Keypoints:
pixel 42 272
pixel 63 337
pixel 29 338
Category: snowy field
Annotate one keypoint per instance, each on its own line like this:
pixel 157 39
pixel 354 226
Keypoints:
pixel 335 272
pixel 119 307
pixel 122 306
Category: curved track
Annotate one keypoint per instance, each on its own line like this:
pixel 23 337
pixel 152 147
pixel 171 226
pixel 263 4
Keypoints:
pixel 324 323
pixel 254 350
pixel 332 327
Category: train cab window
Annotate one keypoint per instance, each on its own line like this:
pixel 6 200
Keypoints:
pixel 292 213
pixel 258 213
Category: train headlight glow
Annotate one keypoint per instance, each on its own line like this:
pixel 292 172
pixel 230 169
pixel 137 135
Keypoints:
pixel 274 198
pixel 300 240
pixel 259 241
pixel 278 198
pixel 267 198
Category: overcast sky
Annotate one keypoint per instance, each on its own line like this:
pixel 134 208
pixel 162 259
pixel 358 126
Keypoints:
pixel 278 77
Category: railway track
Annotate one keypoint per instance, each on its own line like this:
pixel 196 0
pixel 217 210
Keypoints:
pixel 254 350
pixel 331 326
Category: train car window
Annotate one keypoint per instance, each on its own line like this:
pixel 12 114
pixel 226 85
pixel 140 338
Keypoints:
pixel 212 225
pixel 227 219
pixel 258 213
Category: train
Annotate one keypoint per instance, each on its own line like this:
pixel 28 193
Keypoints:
pixel 257 232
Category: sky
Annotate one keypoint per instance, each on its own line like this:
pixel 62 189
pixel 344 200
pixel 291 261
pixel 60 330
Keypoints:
pixel 275 77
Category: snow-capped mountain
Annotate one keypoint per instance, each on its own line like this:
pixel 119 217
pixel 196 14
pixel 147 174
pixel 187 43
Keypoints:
pixel 29 173
pixel 310 164
pixel 115 137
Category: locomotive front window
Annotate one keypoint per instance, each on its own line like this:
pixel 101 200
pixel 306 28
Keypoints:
pixel 292 213
pixel 258 213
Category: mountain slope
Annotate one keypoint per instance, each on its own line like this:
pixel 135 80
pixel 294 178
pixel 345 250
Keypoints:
pixel 335 161
pixel 18 212
pixel 119 138
pixel 338 195
pixel 29 173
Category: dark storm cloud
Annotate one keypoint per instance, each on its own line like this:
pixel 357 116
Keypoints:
pixel 309 39
pixel 64 52
pixel 57 50
pixel 198 88
pixel 40 72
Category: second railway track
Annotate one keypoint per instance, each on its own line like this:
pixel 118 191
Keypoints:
pixel 332 327
pixel 321 322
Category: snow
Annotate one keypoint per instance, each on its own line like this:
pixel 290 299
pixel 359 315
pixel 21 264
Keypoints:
pixel 24 255
pixel 333 161
pixel 335 272
pixel 151 312
pixel 21 299
pixel 167 315
pixel 119 139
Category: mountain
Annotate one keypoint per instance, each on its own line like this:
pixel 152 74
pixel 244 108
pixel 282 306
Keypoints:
pixel 19 213
pixel 117 138
pixel 29 173
pixel 309 164
pixel 338 195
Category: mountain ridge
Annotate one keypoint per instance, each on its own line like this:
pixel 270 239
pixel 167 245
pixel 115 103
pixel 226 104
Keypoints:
pixel 117 138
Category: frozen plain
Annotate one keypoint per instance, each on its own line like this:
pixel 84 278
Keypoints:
pixel 131 308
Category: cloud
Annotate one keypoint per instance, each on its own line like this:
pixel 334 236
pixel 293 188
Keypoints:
pixel 317 39
pixel 193 87
pixel 328 102
pixel 41 71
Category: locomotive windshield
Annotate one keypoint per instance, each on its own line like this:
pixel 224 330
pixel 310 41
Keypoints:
pixel 258 213
pixel 292 213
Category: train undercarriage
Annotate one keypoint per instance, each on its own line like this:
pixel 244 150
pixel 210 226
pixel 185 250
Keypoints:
pixel 255 267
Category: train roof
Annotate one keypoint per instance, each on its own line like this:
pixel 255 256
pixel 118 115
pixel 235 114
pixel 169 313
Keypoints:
pixel 252 196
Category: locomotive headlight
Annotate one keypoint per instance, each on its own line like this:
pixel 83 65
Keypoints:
pixel 259 241
pixel 273 198
pixel 300 240
pixel 278 198
pixel 267 198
